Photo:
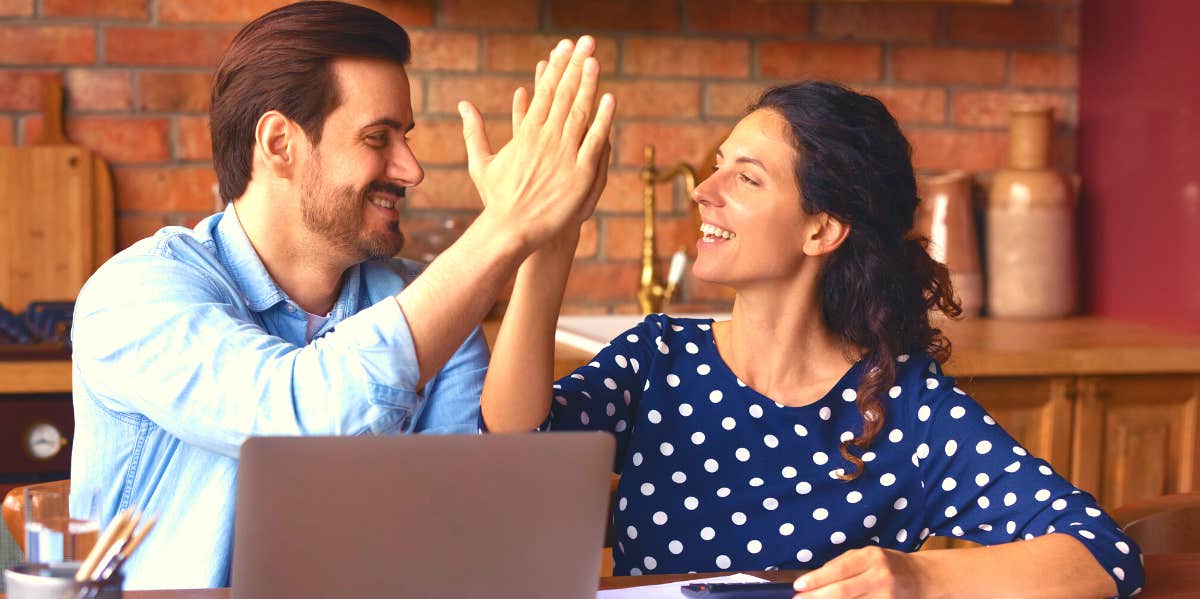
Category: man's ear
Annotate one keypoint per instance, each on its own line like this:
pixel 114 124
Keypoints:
pixel 823 234
pixel 277 143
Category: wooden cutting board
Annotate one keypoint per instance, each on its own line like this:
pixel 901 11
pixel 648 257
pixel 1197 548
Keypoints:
pixel 56 213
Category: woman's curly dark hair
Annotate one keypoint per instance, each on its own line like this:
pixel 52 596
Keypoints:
pixel 879 286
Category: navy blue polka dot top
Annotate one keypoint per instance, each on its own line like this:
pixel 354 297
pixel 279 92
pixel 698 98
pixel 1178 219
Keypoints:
pixel 715 476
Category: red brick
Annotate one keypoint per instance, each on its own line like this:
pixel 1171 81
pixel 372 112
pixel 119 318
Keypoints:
pixel 808 60
pixel 521 52
pixel 1000 25
pixel 47 44
pixel 991 108
pixel 156 46
pixel 173 91
pixel 625 192
pixel 620 15
pixel 491 95
pixel 444 51
pixel 1045 69
pixel 623 236
pixel 99 89
pixel 748 18
pixel 686 57
pixel 101 9
pixel 731 99
pixel 924 105
pixel 132 228
pixel 22 90
pixel 648 98
pixel 602 282
pixel 16 8
pixel 946 65
pixel 877 22
pixel 215 11
pixel 166 189
pixel 441 142
pixel 7 131
pixel 693 144
pixel 408 13
pixel 445 189
pixel 485 14
pixel 1068 28
pixel 120 140
pixel 192 141
pixel 948 149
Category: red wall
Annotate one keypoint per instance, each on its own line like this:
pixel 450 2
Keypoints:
pixel 1139 155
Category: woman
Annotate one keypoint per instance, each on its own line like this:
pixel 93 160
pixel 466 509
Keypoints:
pixel 815 428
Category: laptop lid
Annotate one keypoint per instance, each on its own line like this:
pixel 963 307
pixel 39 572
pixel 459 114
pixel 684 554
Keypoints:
pixel 422 516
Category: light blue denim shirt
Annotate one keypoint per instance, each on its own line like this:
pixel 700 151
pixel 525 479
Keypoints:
pixel 184 347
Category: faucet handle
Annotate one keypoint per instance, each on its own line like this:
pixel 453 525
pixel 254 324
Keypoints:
pixel 675 274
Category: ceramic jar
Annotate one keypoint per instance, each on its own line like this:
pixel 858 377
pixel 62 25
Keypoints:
pixel 1030 231
pixel 946 217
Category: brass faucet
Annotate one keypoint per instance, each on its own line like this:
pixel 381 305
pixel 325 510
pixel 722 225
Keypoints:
pixel 652 292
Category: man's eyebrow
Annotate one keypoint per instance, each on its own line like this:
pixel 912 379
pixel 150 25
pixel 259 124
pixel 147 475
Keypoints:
pixel 745 159
pixel 390 124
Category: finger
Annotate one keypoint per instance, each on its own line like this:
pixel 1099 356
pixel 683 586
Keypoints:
pixel 853 588
pixel 601 178
pixel 519 106
pixel 543 93
pixel 581 111
pixel 537 72
pixel 478 147
pixel 569 84
pixel 838 569
pixel 598 134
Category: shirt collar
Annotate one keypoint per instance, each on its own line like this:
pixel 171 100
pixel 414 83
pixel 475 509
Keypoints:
pixel 261 291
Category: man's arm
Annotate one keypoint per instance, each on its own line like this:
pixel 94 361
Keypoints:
pixel 534 188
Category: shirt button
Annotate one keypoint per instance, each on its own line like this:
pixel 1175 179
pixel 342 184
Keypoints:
pixel 291 308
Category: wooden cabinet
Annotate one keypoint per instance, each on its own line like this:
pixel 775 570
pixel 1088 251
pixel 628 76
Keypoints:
pixel 1136 436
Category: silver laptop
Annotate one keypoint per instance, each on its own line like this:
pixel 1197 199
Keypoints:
pixel 422 516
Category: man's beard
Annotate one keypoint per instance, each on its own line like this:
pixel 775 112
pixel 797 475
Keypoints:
pixel 336 215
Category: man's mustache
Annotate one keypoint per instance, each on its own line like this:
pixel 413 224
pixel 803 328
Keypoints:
pixel 381 187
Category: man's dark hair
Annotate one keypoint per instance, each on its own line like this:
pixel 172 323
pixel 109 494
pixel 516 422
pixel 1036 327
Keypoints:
pixel 283 61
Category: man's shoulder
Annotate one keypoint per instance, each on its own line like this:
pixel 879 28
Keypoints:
pixel 395 271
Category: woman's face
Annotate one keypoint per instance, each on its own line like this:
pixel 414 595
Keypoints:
pixel 750 207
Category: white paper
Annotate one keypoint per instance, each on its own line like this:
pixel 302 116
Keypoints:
pixel 670 590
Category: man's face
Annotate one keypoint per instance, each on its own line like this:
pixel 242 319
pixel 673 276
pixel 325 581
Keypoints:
pixel 354 180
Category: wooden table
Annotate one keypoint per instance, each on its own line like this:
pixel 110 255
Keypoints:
pixel 1174 576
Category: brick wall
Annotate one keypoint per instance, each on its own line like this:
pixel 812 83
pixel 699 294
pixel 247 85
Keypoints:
pixel 138 72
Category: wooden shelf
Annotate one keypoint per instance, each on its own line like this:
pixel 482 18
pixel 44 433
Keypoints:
pixel 40 376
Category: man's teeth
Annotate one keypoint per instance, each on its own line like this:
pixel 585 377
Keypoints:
pixel 715 231
pixel 382 202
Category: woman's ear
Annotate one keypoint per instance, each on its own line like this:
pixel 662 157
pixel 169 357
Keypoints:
pixel 277 143
pixel 823 234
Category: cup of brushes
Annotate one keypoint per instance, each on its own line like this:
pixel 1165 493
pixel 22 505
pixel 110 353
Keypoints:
pixel 96 577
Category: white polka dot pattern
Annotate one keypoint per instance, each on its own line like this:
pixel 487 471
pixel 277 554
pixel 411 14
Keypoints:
pixel 715 475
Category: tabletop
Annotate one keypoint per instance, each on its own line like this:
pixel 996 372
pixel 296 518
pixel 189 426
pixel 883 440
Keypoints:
pixel 1170 575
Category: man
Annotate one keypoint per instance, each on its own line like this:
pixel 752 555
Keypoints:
pixel 284 315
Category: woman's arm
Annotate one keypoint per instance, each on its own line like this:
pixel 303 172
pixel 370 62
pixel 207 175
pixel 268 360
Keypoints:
pixel 1054 565
pixel 516 392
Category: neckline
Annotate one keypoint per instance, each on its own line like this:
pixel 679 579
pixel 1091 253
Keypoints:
pixel 826 399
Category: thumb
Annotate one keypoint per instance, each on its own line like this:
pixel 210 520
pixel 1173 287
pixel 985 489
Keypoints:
pixel 479 149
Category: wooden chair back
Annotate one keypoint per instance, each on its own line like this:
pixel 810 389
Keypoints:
pixel 13 508
pixel 1166 524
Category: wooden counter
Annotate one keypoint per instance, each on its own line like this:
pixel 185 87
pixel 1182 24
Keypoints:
pixel 1113 406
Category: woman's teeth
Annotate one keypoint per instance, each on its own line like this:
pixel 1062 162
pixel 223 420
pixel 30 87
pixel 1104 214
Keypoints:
pixel 715 232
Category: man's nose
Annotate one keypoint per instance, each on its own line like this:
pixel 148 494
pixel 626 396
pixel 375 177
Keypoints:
pixel 403 168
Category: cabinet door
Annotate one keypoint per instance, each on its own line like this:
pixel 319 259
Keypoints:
pixel 1136 437
pixel 1036 411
